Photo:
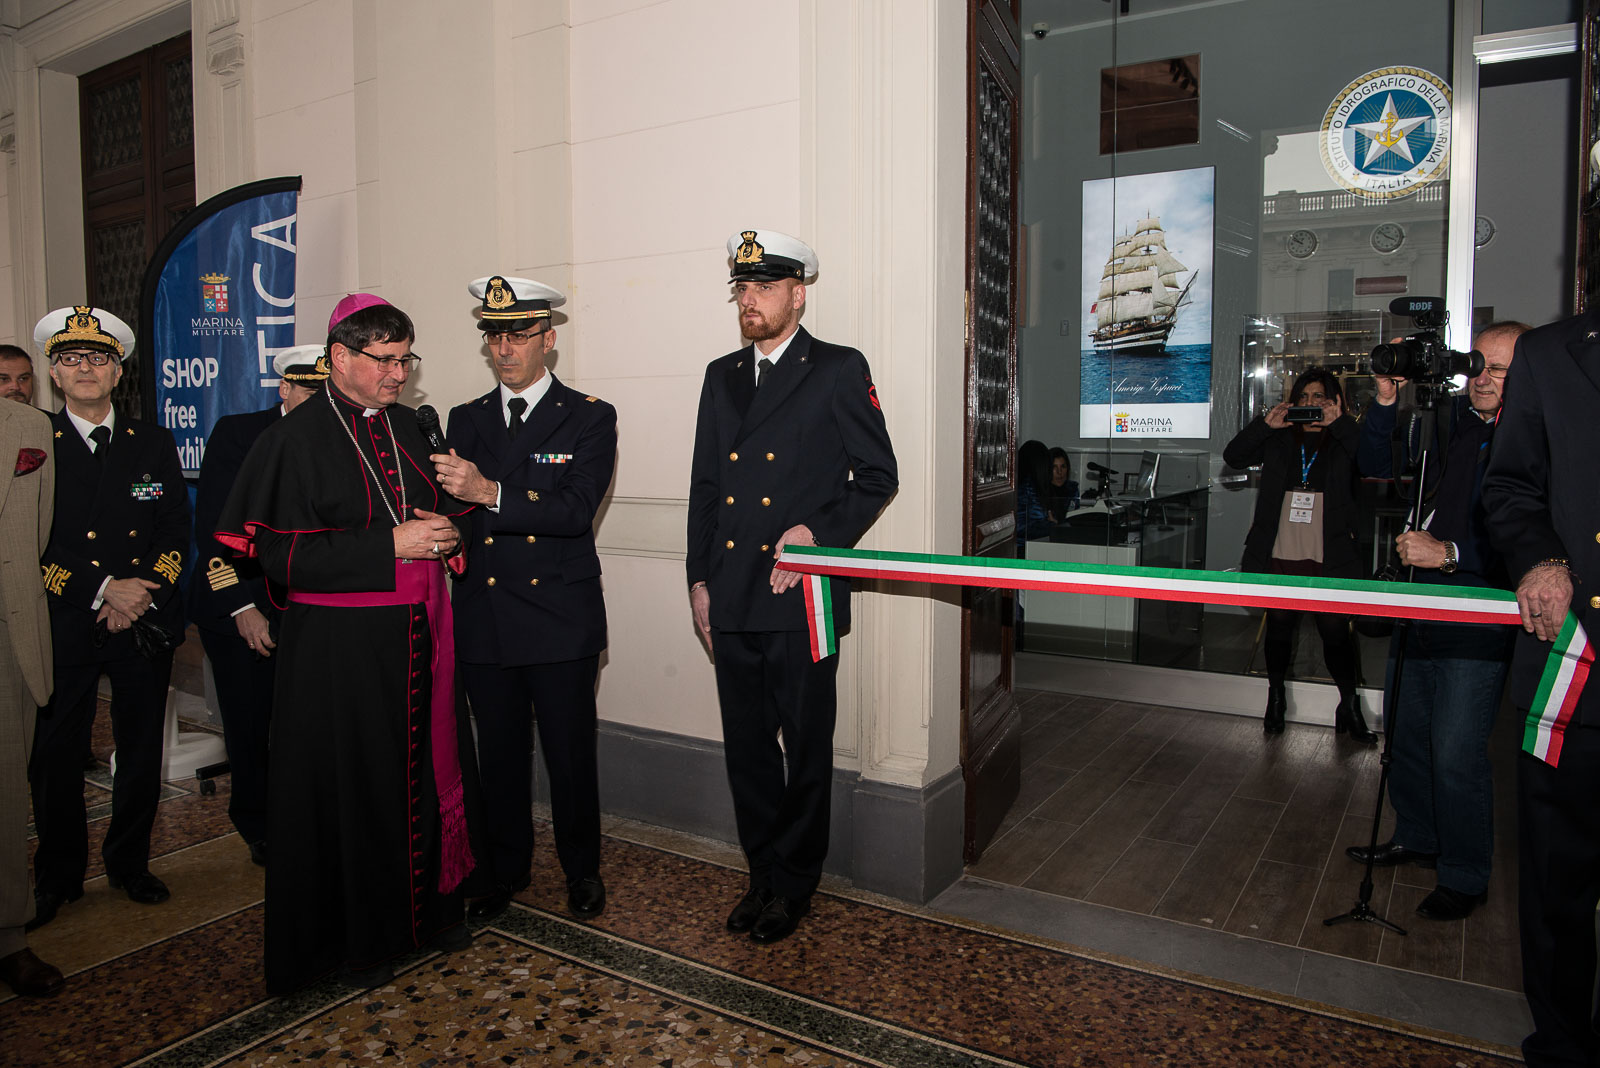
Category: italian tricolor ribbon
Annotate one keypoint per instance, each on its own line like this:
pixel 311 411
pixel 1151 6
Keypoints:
pixel 1557 696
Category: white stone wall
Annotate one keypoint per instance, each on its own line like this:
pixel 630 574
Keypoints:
pixel 609 147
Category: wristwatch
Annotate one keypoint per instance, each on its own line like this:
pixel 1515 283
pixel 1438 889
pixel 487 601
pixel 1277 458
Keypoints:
pixel 1450 558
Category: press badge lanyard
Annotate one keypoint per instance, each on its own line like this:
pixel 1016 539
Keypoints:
pixel 1305 467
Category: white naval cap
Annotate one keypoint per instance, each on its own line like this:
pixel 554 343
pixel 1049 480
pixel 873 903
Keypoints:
pixel 304 364
pixel 767 255
pixel 83 327
pixel 510 302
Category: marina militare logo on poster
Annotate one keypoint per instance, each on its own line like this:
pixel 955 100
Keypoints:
pixel 1387 134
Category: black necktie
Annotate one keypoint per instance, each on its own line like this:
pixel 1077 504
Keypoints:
pixel 101 436
pixel 517 406
pixel 761 371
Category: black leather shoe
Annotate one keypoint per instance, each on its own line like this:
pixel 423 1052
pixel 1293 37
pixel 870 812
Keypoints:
pixel 367 978
pixel 1447 904
pixel 587 897
pixel 779 919
pixel 258 854
pixel 1347 717
pixel 46 903
pixel 141 887
pixel 744 914
pixel 1277 706
pixel 492 905
pixel 1389 855
pixel 451 939
pixel 29 976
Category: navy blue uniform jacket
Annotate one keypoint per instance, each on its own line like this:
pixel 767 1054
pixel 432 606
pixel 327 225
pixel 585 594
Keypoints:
pixel 764 462
pixel 531 592
pixel 1539 491
pixel 131 521
pixel 224 583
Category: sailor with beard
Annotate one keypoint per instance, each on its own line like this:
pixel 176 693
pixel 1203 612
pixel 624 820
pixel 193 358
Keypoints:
pixel 783 425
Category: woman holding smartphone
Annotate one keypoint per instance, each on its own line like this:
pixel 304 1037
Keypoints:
pixel 1305 524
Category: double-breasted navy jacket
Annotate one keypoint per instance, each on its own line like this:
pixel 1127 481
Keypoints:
pixel 127 519
pixel 222 582
pixel 769 460
pixel 531 591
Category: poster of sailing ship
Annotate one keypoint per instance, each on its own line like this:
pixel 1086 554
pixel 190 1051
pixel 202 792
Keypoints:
pixel 1145 346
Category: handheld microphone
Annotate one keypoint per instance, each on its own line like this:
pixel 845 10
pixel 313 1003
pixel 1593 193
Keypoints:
pixel 428 423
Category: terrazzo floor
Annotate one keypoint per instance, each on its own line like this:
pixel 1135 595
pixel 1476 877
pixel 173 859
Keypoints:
pixel 655 980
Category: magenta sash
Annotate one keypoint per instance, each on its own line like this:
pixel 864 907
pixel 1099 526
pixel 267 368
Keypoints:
pixel 421 582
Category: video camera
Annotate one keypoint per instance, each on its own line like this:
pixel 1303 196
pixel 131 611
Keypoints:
pixel 1423 356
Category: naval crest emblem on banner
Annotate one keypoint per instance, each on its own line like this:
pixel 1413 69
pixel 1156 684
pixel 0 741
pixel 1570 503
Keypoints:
pixel 214 293
pixel 1387 134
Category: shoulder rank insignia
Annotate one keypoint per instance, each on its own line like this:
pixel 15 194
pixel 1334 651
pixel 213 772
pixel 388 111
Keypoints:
pixel 220 574
pixel 169 564
pixel 532 496
pixel 591 400
pixel 55 578
pixel 130 431
pixel 58 433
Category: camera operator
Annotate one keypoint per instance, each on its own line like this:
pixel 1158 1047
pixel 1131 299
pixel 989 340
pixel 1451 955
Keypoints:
pixel 1305 524
pixel 1440 779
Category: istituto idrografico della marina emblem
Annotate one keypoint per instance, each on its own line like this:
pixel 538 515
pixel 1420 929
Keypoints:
pixel 749 252
pixel 1387 134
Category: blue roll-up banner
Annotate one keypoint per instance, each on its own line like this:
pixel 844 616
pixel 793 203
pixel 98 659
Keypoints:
pixel 216 307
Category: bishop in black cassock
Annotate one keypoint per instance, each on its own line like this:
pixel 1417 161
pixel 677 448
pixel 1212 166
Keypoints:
pixel 365 812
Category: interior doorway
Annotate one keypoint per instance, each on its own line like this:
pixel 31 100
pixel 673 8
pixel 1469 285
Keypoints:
pixel 136 118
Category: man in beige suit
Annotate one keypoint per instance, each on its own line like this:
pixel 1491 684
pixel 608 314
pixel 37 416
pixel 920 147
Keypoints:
pixel 27 503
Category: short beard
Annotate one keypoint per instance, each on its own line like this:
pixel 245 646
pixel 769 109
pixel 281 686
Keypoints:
pixel 767 329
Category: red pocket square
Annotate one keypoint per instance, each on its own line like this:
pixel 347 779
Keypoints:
pixel 30 460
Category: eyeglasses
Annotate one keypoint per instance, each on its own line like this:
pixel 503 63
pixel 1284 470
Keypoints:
pixel 72 359
pixel 518 338
pixel 1497 372
pixel 392 363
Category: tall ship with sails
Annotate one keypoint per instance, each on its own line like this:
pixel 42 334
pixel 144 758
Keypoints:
pixel 1139 297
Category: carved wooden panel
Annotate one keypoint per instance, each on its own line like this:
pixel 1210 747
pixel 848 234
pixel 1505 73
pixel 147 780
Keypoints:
pixel 136 118
pixel 1586 279
pixel 990 725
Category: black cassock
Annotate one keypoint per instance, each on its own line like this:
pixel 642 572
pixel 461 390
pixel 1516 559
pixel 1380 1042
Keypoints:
pixel 354 828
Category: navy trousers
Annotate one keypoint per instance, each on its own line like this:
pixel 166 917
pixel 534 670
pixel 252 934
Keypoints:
pixel 506 704
pixel 768 685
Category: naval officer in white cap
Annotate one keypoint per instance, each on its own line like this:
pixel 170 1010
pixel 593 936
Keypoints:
pixel 112 565
pixel 784 424
pixel 530 613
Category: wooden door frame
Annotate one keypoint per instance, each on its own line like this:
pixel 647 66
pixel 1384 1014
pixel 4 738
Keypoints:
pixel 990 724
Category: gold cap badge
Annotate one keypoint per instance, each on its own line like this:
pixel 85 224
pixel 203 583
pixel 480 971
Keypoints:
pixel 498 295
pixel 750 251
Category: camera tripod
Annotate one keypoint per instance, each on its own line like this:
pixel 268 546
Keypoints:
pixel 1426 421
